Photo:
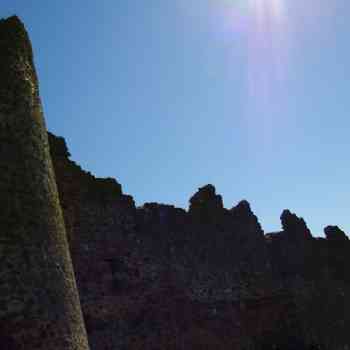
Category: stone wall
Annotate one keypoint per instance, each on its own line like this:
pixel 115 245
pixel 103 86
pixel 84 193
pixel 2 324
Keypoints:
pixel 160 277
pixel 39 303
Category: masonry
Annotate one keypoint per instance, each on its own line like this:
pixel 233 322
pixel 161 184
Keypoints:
pixel 151 277
pixel 39 303
pixel 160 277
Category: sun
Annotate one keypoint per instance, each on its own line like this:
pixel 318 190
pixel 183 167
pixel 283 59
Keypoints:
pixel 263 10
pixel 268 9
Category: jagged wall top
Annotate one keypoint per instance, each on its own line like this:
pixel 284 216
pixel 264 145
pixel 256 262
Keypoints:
pixel 205 205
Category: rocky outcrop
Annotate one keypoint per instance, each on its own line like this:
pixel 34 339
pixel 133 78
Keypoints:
pixel 335 234
pixel 39 303
pixel 206 206
pixel 294 228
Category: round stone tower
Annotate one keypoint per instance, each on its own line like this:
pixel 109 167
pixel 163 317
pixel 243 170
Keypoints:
pixel 39 302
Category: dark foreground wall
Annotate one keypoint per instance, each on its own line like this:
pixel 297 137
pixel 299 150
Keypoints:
pixel 39 303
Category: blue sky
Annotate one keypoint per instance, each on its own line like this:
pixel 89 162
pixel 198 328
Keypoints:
pixel 166 96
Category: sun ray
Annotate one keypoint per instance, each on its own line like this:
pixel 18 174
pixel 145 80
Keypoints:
pixel 265 28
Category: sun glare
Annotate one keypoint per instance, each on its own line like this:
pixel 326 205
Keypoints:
pixel 265 39
pixel 261 8
pixel 272 10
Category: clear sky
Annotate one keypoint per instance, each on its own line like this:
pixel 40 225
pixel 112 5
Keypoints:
pixel 168 95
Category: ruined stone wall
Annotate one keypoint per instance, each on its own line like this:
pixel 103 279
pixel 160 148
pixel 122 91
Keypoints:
pixel 100 222
pixel 153 277
pixel 39 303
pixel 160 277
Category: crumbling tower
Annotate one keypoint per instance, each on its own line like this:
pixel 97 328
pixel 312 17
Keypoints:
pixel 39 302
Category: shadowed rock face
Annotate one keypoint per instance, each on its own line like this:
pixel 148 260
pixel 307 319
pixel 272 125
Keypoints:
pixel 334 233
pixel 160 277
pixel 39 304
pixel 206 205
pixel 154 277
pixel 294 227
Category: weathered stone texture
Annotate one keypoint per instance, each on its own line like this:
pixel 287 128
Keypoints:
pixel 39 303
pixel 160 277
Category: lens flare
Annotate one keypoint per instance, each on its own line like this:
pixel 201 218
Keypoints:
pixel 257 36
pixel 268 8
pixel 263 30
pixel 267 48
pixel 266 36
pixel 261 8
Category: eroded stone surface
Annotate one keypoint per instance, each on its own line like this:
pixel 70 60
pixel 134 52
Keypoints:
pixel 160 277
pixel 39 304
